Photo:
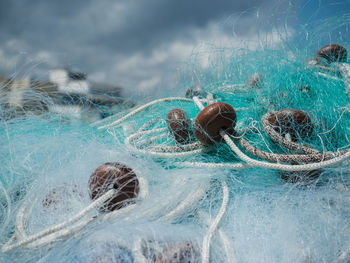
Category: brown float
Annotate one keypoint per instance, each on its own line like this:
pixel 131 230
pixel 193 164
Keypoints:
pixel 60 195
pixel 295 122
pixel 173 252
pixel 213 118
pixel 302 177
pixel 118 176
pixel 179 125
pixel 333 53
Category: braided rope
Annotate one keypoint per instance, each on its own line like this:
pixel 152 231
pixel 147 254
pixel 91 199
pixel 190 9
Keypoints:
pixel 180 148
pixel 282 167
pixel 276 137
pixel 289 158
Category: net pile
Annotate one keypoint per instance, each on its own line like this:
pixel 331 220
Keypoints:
pixel 254 169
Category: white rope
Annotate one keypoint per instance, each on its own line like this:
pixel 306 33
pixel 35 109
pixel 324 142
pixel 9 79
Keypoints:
pixel 214 225
pixel 283 167
pixel 56 236
pixel 198 103
pixel 97 203
pixel 233 88
pixel 210 99
pixel 137 251
pixel 229 251
pixel 73 229
pixel 113 117
pixel 132 113
pixel 327 76
pixel 161 154
pixel 22 216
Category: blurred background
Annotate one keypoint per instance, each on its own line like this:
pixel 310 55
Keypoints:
pixel 108 55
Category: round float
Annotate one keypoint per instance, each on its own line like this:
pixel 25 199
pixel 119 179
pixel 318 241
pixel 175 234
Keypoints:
pixel 114 176
pixel 296 123
pixel 333 53
pixel 179 125
pixel 213 118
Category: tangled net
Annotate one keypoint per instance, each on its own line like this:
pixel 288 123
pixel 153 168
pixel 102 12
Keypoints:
pixel 273 183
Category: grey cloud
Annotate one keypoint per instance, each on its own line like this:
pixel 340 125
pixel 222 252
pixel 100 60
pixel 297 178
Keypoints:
pixel 94 36
pixel 57 24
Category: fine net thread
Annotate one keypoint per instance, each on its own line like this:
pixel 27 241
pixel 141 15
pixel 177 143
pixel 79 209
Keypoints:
pixel 263 209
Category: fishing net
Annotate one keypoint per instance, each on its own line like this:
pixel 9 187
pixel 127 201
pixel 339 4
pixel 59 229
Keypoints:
pixel 249 164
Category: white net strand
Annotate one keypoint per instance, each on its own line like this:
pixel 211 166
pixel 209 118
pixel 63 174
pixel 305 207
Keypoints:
pixel 210 99
pixel 188 203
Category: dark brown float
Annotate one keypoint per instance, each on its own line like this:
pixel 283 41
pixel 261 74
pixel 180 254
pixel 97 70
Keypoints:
pixel 333 53
pixel 295 122
pixel 60 195
pixel 118 176
pixel 180 126
pixel 213 118
pixel 301 177
pixel 173 252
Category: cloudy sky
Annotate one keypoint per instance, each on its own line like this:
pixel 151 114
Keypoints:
pixel 138 44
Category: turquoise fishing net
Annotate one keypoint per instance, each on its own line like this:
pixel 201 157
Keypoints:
pixel 46 162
